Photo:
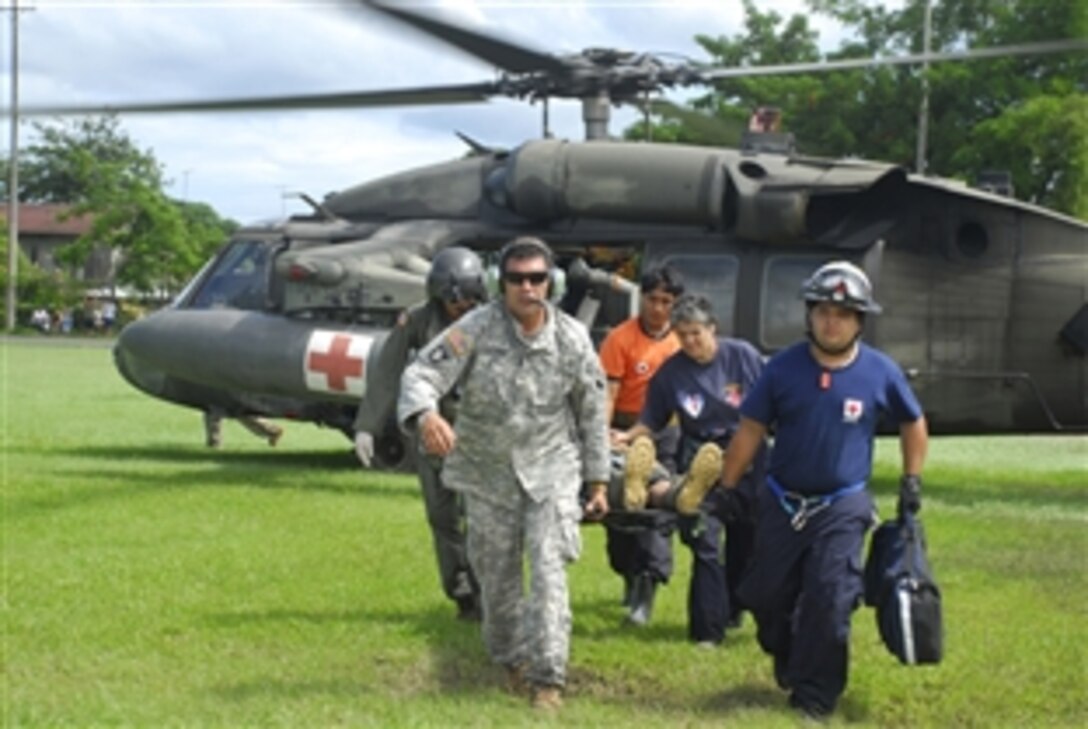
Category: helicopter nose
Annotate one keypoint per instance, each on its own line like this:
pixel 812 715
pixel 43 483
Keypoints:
pixel 134 367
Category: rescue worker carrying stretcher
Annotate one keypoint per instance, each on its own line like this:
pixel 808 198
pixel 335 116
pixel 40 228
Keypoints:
pixel 630 356
pixel 703 386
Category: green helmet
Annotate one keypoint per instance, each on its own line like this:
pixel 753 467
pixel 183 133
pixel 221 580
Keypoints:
pixel 456 275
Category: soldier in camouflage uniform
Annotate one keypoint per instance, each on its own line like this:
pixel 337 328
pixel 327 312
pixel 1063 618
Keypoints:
pixel 454 285
pixel 530 430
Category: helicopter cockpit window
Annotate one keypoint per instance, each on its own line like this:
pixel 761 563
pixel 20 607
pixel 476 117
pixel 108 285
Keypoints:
pixel 239 279
pixel 782 313
pixel 495 185
pixel 714 277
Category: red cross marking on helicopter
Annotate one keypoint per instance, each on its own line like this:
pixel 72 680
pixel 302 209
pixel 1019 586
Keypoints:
pixel 336 362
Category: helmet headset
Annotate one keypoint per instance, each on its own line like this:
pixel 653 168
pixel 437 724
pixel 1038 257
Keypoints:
pixel 525 247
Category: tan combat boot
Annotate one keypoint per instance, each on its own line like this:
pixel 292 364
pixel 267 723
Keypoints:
pixel 516 683
pixel 641 455
pixel 704 472
pixel 547 698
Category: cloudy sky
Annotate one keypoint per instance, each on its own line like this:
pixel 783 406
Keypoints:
pixel 91 52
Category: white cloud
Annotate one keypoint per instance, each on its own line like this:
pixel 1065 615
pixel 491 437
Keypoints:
pixel 92 52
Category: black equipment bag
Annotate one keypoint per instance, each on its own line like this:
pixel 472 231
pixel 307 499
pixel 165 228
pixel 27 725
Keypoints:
pixel 900 585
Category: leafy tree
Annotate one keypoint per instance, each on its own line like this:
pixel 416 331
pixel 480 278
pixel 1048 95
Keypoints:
pixel 95 167
pixel 983 113
pixel 60 165
pixel 34 288
pixel 205 227
pixel 1044 143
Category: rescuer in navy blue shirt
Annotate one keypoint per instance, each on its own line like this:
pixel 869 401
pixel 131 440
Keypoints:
pixel 703 386
pixel 823 398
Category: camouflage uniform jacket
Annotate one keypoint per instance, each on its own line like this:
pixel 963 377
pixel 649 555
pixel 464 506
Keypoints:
pixel 531 410
pixel 415 327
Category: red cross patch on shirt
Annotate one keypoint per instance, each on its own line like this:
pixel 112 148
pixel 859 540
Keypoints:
pixel 733 395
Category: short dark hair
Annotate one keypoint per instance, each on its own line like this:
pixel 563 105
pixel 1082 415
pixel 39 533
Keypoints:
pixel 525 247
pixel 662 277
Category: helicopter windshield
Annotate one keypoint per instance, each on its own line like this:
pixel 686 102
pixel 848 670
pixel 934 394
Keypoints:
pixel 239 279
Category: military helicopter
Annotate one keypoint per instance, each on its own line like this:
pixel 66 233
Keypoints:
pixel 985 297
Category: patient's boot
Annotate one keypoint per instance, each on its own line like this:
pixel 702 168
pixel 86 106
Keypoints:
pixel 705 471
pixel 641 455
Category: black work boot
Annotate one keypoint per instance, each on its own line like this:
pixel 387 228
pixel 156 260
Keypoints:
pixel 468 609
pixel 642 599
pixel 628 591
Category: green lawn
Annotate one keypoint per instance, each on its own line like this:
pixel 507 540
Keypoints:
pixel 150 582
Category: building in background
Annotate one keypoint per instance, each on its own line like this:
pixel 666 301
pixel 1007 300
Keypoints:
pixel 44 229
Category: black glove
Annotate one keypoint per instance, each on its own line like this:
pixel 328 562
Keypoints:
pixel 910 494
pixel 733 506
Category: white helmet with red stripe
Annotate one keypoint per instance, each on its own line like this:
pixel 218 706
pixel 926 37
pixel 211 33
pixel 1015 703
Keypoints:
pixel 843 283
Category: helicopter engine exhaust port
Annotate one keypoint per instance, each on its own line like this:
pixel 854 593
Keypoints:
pixel 763 215
pixel 550 179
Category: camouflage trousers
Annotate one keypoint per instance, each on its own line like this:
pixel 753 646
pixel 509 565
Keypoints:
pixel 525 628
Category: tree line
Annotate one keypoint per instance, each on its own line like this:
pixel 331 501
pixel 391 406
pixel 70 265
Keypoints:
pixel 1027 115
pixel 92 166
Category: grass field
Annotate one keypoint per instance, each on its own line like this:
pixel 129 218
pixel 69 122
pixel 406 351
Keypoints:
pixel 150 582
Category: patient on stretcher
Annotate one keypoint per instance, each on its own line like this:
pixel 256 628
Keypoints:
pixel 640 482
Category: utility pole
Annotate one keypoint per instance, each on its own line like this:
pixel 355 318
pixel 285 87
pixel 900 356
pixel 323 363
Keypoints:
pixel 923 109
pixel 13 176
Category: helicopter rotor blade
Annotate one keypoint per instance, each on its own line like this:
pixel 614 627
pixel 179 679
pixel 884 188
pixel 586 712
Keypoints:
pixel 503 54
pixel 1060 46
pixel 457 94
pixel 595 73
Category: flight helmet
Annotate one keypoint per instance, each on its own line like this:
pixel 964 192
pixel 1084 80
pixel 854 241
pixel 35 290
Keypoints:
pixel 456 275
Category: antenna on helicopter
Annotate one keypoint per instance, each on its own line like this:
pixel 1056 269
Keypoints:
pixel 322 212
pixel 478 148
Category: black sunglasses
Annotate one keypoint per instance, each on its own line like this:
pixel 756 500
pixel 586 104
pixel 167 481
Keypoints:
pixel 517 279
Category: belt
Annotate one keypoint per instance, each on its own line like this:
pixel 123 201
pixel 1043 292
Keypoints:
pixel 800 507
